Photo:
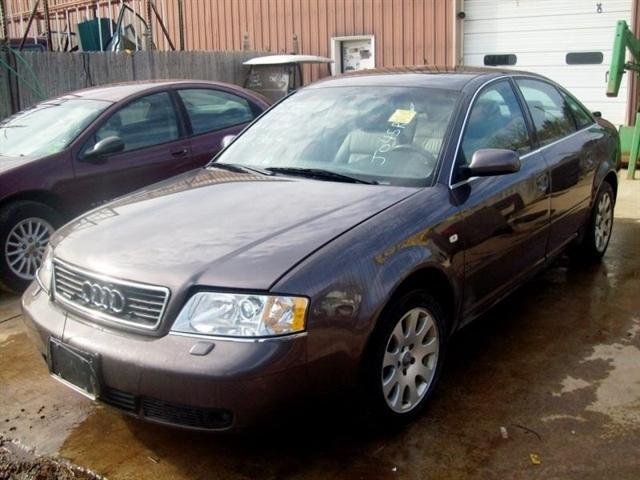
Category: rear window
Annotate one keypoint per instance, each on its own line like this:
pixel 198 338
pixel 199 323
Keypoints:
pixel 211 110
pixel 580 114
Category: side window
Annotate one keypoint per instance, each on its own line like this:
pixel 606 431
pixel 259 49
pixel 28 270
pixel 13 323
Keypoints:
pixel 211 110
pixel 551 114
pixel 148 121
pixel 495 121
pixel 580 114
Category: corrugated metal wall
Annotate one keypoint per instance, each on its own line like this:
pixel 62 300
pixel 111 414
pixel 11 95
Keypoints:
pixel 406 32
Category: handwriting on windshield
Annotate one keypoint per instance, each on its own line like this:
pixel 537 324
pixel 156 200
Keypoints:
pixel 387 142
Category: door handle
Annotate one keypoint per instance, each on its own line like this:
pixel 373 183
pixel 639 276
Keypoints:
pixel 180 152
pixel 542 182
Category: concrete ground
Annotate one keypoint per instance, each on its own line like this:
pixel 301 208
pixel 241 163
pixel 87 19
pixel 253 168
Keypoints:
pixel 555 369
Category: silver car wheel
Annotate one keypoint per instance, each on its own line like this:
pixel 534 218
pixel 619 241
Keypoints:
pixel 410 360
pixel 25 246
pixel 603 222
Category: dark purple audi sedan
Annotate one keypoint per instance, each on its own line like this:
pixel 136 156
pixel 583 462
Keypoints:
pixel 340 239
pixel 69 154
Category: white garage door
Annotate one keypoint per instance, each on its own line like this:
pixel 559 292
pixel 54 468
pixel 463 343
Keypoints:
pixel 542 36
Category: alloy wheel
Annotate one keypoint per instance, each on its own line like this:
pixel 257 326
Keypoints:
pixel 410 360
pixel 25 246
pixel 603 222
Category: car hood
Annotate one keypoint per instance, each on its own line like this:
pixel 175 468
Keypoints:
pixel 218 228
pixel 9 163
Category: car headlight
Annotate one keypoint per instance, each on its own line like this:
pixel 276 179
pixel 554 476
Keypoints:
pixel 44 274
pixel 242 315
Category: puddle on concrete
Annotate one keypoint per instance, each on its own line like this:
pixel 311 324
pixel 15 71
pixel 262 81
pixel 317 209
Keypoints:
pixel 617 395
pixel 34 408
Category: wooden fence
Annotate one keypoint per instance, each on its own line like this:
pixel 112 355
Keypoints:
pixel 42 75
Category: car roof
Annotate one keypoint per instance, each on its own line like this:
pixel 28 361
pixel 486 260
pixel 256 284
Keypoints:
pixel 119 91
pixel 287 59
pixel 448 78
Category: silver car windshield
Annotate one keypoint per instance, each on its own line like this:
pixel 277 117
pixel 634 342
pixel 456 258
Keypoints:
pixel 48 127
pixel 384 135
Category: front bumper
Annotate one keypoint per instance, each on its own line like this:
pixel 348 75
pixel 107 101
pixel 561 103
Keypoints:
pixel 168 379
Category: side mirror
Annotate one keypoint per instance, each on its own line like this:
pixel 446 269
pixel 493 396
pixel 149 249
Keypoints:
pixel 597 114
pixel 226 140
pixel 106 146
pixel 489 162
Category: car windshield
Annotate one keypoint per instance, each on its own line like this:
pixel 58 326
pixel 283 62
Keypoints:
pixel 385 135
pixel 48 127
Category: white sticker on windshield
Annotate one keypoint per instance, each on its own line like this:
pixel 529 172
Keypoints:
pixel 402 116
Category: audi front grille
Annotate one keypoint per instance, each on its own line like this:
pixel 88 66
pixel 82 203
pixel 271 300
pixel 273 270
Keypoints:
pixel 107 299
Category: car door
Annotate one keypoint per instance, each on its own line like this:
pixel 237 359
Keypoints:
pixel 505 217
pixel 563 129
pixel 211 115
pixel 155 148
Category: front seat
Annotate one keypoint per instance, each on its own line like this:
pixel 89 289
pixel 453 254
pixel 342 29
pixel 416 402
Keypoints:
pixel 160 122
pixel 429 134
pixel 359 145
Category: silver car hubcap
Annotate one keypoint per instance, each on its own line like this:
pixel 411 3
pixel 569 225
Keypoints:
pixel 604 222
pixel 25 246
pixel 410 360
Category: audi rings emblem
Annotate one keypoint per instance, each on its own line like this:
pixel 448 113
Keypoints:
pixel 109 299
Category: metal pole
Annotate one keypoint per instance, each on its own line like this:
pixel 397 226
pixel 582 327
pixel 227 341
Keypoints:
pixel 47 24
pixel 136 20
pixel 635 148
pixel 31 17
pixel 66 14
pixel 37 29
pixel 21 7
pixel 148 41
pixel 3 22
pixel 163 13
pixel 78 20
pixel 164 29
pixel 181 23
pixel 110 12
pixel 58 32
pixel 99 25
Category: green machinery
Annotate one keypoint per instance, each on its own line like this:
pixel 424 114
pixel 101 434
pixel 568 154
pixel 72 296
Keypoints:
pixel 625 39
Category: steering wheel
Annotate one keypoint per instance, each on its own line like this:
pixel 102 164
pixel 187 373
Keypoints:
pixel 410 153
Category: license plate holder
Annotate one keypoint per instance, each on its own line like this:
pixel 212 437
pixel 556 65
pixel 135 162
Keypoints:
pixel 74 367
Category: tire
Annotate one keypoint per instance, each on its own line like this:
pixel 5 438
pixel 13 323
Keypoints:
pixel 406 356
pixel 598 230
pixel 25 229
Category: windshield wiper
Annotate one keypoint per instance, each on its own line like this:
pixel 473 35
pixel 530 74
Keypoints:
pixel 321 174
pixel 237 168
